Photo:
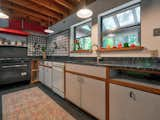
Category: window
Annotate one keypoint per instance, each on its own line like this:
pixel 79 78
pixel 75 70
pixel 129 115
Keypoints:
pixel 82 36
pixel 121 28
pixel 125 18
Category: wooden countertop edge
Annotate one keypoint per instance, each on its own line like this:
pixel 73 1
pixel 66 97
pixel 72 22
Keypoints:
pixel 86 75
pixel 45 65
pixel 136 86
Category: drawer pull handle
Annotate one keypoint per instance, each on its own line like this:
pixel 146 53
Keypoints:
pixel 132 95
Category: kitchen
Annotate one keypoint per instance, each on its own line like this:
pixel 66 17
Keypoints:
pixel 79 59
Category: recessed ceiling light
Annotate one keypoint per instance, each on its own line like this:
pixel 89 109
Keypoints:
pixel 84 13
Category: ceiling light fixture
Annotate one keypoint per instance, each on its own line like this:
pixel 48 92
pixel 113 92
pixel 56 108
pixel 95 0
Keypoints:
pixel 3 15
pixel 48 31
pixel 84 13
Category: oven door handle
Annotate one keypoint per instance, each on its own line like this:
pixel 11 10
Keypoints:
pixel 14 66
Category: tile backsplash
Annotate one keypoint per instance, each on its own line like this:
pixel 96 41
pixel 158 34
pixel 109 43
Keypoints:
pixel 58 44
pixel 35 44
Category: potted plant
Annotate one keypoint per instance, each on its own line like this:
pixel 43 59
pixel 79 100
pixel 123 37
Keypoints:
pixel 44 53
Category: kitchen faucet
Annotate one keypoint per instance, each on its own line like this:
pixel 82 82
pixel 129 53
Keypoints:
pixel 98 55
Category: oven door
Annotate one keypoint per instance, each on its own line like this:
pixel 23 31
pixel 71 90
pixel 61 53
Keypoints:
pixel 14 73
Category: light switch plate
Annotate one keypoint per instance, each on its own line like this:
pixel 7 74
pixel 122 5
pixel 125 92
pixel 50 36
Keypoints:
pixel 156 32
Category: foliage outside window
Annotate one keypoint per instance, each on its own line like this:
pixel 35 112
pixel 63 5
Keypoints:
pixel 82 37
pixel 121 29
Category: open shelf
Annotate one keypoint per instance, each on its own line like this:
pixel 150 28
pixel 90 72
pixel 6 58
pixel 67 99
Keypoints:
pixel 13 46
pixel 140 78
pixel 120 49
pixel 12 31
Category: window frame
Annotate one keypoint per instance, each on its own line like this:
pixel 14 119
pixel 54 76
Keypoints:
pixel 112 13
pixel 73 32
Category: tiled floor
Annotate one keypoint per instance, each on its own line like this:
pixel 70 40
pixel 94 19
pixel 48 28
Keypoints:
pixel 70 108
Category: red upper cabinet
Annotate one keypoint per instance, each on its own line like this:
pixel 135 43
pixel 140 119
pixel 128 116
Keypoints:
pixel 19 24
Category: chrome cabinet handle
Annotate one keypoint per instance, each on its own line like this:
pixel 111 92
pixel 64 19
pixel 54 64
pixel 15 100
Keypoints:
pixel 132 95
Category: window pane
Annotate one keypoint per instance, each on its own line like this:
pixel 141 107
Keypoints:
pixel 85 43
pixel 138 14
pixel 108 24
pixel 83 30
pixel 108 42
pixel 126 18
pixel 82 37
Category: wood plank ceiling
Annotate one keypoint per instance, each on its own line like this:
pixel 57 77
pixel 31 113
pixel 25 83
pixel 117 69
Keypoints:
pixel 45 12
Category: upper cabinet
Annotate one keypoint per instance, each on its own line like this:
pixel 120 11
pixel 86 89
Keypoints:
pixel 120 28
pixel 81 37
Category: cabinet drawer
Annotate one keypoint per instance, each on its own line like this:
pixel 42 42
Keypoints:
pixel 87 69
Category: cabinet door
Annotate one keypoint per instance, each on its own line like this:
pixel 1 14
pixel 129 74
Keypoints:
pixel 93 97
pixel 45 76
pixel 73 88
pixel 130 104
pixel 41 74
pixel 58 80
pixel 119 102
pixel 49 77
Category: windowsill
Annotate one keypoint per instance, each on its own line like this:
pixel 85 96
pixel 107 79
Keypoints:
pixel 82 51
pixel 121 49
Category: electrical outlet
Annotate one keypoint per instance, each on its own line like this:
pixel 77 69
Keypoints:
pixel 154 53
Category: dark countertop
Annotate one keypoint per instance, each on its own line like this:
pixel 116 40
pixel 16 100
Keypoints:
pixel 142 66
pixel 138 66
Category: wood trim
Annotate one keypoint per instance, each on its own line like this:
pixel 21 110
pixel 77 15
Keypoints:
pixel 120 49
pixel 136 86
pixel 107 92
pixel 65 81
pixel 137 70
pixel 85 75
pixel 65 4
pixel 45 66
pixel 35 81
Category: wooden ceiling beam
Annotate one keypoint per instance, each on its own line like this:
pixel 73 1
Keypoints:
pixel 36 8
pixel 22 10
pixel 65 4
pixel 18 15
pixel 52 6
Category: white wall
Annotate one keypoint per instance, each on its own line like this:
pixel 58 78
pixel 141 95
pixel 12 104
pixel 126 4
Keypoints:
pixel 150 21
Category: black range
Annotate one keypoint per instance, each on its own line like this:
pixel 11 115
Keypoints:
pixel 14 70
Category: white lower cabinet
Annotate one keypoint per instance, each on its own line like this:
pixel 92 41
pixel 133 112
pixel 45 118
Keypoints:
pixel 93 97
pixel 87 93
pixel 130 104
pixel 73 89
pixel 41 74
pixel 48 77
pixel 58 80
